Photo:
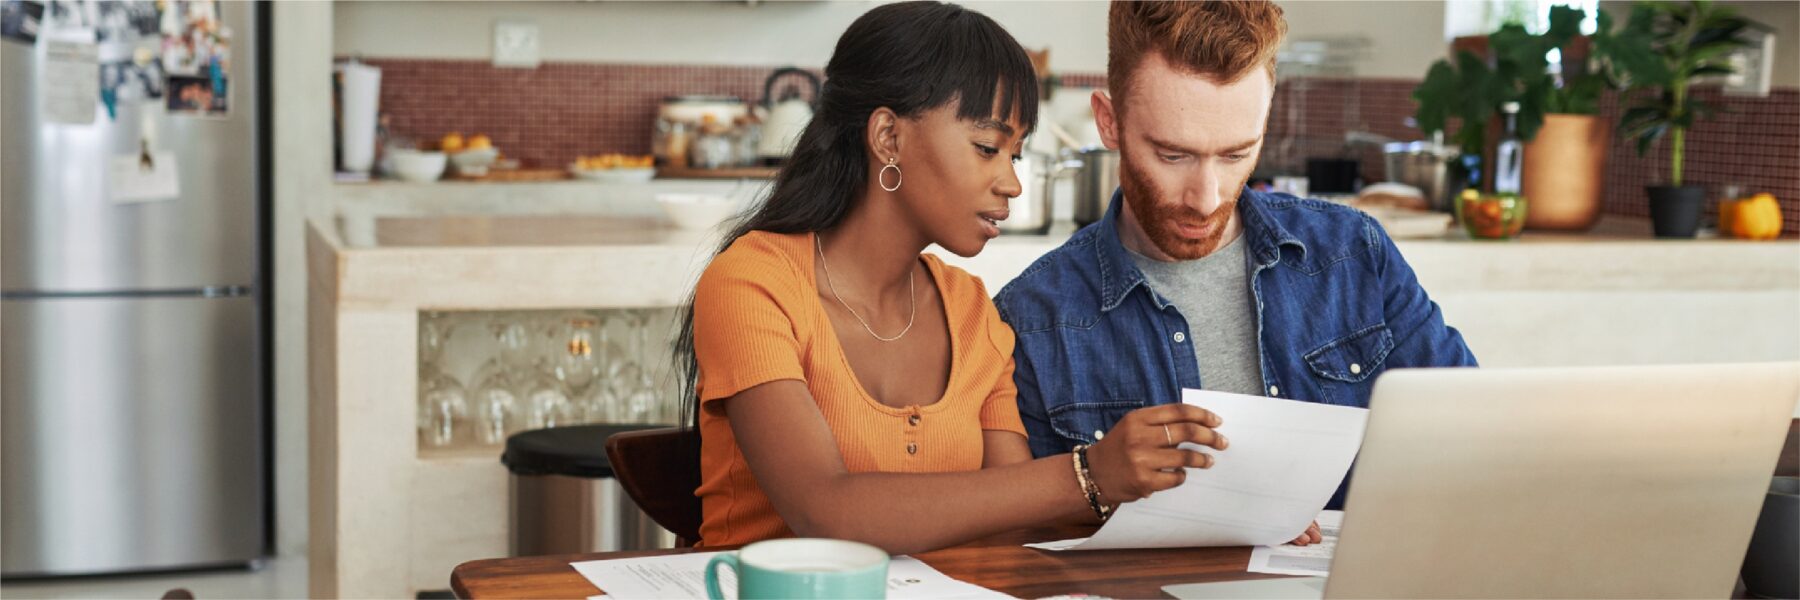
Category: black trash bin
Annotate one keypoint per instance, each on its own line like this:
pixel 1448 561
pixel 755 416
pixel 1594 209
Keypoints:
pixel 564 497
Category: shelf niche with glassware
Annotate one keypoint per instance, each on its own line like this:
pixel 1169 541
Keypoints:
pixel 485 375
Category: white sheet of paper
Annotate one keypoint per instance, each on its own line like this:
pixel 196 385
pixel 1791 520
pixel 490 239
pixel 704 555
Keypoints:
pixel 1287 559
pixel 70 81
pixel 683 576
pixel 131 181
pixel 1285 460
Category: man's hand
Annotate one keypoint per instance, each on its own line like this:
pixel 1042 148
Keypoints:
pixel 1312 536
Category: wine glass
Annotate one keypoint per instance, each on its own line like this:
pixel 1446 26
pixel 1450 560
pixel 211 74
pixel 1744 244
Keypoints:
pixel 606 397
pixel 443 408
pixel 546 403
pixel 443 403
pixel 496 402
pixel 575 360
pixel 627 373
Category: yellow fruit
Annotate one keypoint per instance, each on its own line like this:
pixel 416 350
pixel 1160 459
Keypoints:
pixel 452 142
pixel 1758 218
pixel 480 142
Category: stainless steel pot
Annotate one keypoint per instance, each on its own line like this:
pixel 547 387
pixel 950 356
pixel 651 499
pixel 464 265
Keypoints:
pixel 1095 179
pixel 1424 165
pixel 1029 212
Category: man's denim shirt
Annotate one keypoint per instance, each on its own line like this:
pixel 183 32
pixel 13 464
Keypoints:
pixel 1336 306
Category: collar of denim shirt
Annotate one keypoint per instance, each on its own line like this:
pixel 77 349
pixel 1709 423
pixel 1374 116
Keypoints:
pixel 1119 275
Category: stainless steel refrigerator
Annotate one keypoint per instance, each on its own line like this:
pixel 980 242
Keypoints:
pixel 134 334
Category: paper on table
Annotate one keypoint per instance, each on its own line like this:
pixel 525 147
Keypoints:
pixel 1287 559
pixel 1285 459
pixel 684 576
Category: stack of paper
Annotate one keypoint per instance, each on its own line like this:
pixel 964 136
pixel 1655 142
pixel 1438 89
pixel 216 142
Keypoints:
pixel 683 576
pixel 1284 461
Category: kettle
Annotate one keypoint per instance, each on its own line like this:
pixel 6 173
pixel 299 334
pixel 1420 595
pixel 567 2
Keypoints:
pixel 787 116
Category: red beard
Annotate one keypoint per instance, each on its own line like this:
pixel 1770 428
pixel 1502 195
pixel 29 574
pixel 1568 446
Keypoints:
pixel 1159 220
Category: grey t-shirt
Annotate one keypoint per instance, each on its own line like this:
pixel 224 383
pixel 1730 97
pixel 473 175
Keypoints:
pixel 1213 294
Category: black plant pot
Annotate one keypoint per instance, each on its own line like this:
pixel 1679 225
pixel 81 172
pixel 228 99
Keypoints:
pixel 1675 211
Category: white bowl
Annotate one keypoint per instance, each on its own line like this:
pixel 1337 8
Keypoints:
pixel 618 175
pixel 417 166
pixel 474 163
pixel 697 211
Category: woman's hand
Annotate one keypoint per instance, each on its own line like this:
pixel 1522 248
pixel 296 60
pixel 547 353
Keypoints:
pixel 1139 456
pixel 1310 537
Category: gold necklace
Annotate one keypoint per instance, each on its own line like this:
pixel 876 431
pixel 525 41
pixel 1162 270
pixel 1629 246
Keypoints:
pixel 818 242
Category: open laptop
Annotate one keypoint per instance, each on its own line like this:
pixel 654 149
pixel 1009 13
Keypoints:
pixel 1569 483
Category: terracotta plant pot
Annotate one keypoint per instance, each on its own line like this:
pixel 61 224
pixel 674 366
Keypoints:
pixel 1565 167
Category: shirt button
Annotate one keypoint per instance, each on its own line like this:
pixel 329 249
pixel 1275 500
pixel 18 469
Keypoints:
pixel 1180 337
pixel 1355 368
pixel 913 420
pixel 1098 435
pixel 1274 391
pixel 912 448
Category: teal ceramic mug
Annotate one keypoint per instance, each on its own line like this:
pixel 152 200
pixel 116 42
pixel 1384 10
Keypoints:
pixel 802 568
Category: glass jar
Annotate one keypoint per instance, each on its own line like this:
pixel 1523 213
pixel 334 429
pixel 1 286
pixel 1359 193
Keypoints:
pixel 714 148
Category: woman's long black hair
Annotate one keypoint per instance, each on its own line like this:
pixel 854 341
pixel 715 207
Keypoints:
pixel 910 57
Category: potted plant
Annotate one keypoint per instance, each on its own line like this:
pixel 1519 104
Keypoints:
pixel 1664 50
pixel 1566 142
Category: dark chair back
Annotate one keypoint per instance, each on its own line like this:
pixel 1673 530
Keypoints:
pixel 660 469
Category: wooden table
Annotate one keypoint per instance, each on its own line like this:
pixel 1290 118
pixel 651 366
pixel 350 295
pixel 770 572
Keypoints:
pixel 998 563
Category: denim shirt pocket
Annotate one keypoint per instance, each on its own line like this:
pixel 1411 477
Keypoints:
pixel 1350 362
pixel 1078 422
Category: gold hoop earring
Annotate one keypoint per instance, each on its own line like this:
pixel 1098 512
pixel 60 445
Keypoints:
pixel 881 177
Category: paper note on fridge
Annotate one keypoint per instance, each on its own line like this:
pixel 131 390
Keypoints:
pixel 69 82
pixel 141 178
pixel 1285 460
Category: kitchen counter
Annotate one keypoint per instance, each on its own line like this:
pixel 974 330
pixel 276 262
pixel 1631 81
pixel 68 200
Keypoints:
pixel 1619 254
pixel 1615 296
pixel 568 196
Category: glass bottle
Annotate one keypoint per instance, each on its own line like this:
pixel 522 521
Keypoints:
pixel 1509 155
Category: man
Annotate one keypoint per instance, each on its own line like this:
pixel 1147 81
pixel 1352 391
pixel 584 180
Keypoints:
pixel 1192 280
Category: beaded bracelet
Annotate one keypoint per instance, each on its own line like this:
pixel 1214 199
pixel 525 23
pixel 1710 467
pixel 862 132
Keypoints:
pixel 1088 487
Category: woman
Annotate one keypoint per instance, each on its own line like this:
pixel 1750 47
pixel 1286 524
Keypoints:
pixel 847 386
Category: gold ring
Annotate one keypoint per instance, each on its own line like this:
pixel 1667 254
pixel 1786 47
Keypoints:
pixel 1166 434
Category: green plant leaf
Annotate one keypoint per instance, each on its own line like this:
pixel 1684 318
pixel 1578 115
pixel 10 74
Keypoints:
pixel 1700 57
pixel 1649 137
pixel 1532 107
pixel 1437 97
pixel 1565 24
pixel 1710 70
pixel 1726 31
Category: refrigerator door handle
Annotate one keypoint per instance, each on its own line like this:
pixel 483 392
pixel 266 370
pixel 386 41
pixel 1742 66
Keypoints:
pixel 224 291
pixel 211 291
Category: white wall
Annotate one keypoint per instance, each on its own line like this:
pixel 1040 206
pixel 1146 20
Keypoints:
pixel 1783 16
pixel 772 33
pixel 1407 35
pixel 302 73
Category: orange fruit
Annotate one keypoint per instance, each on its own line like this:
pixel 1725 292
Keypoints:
pixel 452 142
pixel 480 142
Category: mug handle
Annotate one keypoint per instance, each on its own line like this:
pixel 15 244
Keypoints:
pixel 729 559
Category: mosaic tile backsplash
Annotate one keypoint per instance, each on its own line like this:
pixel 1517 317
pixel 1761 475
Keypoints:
pixel 547 116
